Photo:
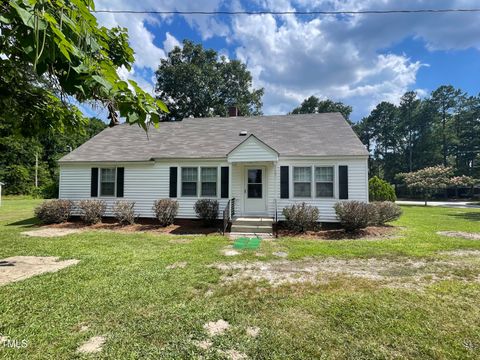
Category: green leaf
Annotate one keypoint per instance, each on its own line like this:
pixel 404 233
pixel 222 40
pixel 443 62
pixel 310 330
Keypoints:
pixel 5 20
pixel 162 106
pixel 102 82
pixel 63 49
pixel 26 16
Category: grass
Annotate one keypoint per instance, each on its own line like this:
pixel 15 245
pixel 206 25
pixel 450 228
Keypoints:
pixel 122 289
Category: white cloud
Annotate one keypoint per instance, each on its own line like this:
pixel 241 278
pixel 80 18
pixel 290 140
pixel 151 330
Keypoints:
pixel 293 57
pixel 170 43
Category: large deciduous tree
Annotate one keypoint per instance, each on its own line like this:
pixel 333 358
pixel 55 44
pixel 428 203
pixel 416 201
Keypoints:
pixel 54 50
pixel 196 82
pixel 314 105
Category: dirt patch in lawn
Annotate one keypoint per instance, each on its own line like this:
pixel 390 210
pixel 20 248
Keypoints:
pixel 177 265
pixel 233 354
pixel 51 232
pixel 460 234
pixel 371 232
pixel 406 273
pixel 19 268
pixel 214 328
pixel 93 345
pixel 462 253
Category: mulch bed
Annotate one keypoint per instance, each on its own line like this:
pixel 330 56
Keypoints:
pixel 372 232
pixel 182 227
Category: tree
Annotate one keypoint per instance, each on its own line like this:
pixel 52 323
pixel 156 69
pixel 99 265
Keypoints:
pixel 409 106
pixel 57 49
pixel 314 105
pixel 428 180
pixel 380 190
pixel 384 120
pixel 19 150
pixel 445 99
pixel 195 82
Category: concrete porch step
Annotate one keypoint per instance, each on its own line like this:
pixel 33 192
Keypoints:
pixel 249 228
pixel 255 221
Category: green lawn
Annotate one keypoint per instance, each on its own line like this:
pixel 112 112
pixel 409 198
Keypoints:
pixel 122 289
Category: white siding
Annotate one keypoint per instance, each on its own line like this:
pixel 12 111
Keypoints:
pixel 252 149
pixel 144 183
pixel 357 185
pixel 147 182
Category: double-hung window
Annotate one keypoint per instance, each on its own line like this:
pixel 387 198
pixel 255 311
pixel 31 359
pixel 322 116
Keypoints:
pixel 189 181
pixel 324 182
pixel 302 181
pixel 107 181
pixel 209 181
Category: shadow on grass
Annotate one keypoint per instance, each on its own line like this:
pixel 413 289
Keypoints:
pixel 470 216
pixel 30 222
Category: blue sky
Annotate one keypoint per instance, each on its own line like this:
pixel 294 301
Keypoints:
pixel 360 60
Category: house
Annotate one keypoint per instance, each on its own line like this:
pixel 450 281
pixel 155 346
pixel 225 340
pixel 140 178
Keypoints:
pixel 262 164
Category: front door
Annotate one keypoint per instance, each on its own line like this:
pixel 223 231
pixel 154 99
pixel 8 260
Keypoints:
pixel 255 196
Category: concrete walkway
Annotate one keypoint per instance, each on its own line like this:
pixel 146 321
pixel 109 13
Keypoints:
pixel 451 204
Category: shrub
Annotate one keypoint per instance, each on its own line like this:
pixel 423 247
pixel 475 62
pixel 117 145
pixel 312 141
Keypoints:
pixel 165 211
pixel 92 210
pixel 207 210
pixel 354 215
pixel 54 211
pixel 301 217
pixel 385 211
pixel 380 190
pixel 124 212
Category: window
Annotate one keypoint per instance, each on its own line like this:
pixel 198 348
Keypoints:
pixel 302 181
pixel 255 185
pixel 107 182
pixel 209 181
pixel 324 181
pixel 189 181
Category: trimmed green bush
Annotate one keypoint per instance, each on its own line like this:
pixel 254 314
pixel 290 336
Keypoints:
pixel 53 211
pixel 354 215
pixel 380 190
pixel 301 217
pixel 207 211
pixel 165 210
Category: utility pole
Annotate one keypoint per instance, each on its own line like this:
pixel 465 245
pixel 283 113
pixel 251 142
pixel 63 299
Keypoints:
pixel 36 170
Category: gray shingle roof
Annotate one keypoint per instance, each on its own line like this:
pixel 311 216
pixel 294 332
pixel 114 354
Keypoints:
pixel 325 134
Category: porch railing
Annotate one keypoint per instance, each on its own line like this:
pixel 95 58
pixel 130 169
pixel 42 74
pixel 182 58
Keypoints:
pixel 275 218
pixel 228 213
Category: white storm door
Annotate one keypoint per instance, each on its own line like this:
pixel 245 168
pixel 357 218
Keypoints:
pixel 254 191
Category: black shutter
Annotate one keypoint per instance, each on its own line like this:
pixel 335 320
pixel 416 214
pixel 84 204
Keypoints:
pixel 343 182
pixel 120 177
pixel 284 180
pixel 173 182
pixel 224 180
pixel 94 183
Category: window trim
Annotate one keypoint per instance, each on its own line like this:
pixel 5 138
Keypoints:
pixel 201 182
pixel 324 182
pixel 100 195
pixel 301 182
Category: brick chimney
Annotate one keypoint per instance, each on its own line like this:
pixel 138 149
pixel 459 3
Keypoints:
pixel 232 111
